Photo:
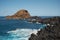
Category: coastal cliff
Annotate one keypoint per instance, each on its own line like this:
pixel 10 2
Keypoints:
pixel 21 14
pixel 51 32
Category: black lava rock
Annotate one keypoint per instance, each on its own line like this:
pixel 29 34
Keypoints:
pixel 49 32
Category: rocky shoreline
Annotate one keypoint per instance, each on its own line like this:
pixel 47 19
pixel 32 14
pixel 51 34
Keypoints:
pixel 51 32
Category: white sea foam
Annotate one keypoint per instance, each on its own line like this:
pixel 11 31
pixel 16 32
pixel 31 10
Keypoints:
pixel 21 34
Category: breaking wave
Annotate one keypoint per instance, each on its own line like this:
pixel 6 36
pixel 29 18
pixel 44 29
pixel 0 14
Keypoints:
pixel 19 34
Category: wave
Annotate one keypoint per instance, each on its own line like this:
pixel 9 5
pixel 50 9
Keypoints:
pixel 20 34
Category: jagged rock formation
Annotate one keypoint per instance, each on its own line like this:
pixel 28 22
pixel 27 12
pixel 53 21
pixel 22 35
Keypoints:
pixel 49 32
pixel 21 14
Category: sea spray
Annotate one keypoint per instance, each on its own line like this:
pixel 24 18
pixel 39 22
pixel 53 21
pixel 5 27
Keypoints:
pixel 20 34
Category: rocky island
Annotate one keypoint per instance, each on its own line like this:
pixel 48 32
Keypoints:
pixel 24 14
pixel 21 14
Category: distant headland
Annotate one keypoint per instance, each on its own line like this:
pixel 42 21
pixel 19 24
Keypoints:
pixel 21 14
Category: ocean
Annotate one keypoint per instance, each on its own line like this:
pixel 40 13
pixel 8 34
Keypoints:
pixel 17 29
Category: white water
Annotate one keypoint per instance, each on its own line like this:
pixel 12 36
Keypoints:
pixel 20 34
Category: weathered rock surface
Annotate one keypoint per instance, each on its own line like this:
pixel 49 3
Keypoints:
pixel 21 14
pixel 49 32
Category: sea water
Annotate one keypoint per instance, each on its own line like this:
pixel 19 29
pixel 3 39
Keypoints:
pixel 17 29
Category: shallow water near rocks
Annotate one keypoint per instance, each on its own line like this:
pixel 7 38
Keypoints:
pixel 17 29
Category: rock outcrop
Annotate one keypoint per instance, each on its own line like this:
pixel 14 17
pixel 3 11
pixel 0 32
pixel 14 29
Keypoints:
pixel 49 32
pixel 19 15
pixel 35 19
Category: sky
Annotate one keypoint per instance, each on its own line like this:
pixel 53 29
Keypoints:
pixel 34 7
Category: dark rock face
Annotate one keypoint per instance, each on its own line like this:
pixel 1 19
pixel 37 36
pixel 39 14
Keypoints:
pixel 21 14
pixel 49 32
pixel 52 20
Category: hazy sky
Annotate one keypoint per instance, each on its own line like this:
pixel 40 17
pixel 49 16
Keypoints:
pixel 35 7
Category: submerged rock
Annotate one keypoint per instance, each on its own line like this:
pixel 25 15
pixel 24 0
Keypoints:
pixel 21 14
pixel 49 32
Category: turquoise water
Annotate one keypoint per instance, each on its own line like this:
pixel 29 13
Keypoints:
pixel 17 29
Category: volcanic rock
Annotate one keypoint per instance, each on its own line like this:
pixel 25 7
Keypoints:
pixel 21 14
pixel 49 32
